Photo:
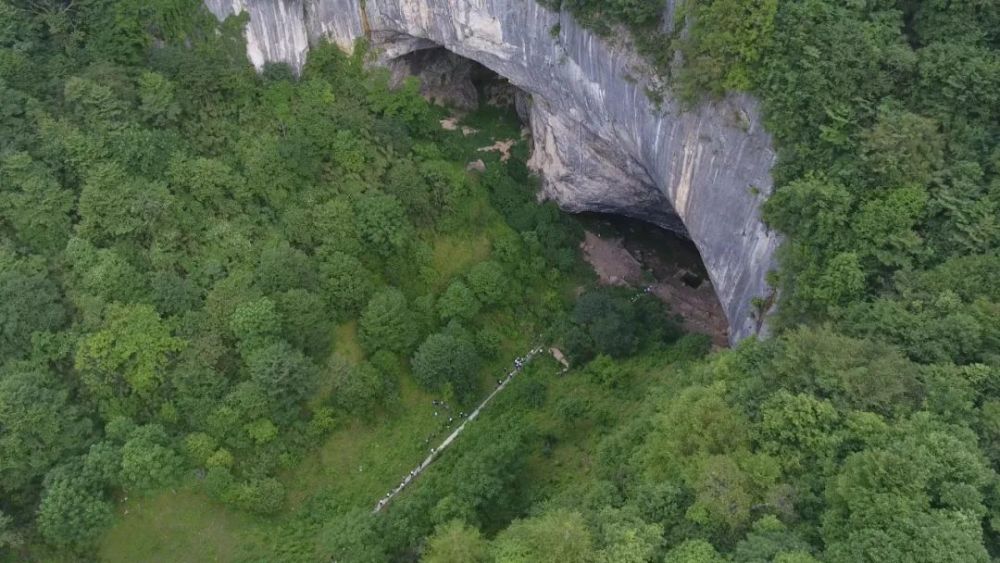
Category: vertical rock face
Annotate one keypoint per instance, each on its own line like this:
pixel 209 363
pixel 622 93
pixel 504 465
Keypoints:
pixel 600 143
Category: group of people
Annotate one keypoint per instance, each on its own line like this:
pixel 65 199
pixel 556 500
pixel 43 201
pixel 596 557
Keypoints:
pixel 440 406
pixel 445 424
pixel 645 290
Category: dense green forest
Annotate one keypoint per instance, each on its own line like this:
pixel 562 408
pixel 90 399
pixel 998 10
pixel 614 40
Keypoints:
pixel 230 298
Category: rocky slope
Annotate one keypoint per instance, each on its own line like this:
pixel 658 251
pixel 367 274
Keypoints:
pixel 600 143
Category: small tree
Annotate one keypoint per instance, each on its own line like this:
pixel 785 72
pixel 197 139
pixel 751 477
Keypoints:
pixel 255 320
pixel 72 514
pixel 306 323
pixel 382 223
pixel 555 536
pixel 387 323
pixel 456 542
pixel 148 462
pixel 444 359
pixel 357 387
pixel 489 282
pixel 128 357
pixel 458 302
pixel 352 536
pixel 262 496
pixel 284 373
pixel 346 283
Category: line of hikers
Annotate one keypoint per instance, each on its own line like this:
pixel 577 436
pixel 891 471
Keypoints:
pixel 519 364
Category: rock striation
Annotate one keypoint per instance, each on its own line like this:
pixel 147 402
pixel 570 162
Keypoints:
pixel 600 142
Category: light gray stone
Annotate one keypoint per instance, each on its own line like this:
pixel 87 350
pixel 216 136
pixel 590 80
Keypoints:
pixel 600 142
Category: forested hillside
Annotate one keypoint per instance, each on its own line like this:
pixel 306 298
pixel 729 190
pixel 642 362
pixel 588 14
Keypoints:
pixel 232 297
pixel 195 257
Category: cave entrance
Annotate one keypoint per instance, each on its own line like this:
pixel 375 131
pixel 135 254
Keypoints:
pixel 631 252
pixel 452 80
pixel 622 250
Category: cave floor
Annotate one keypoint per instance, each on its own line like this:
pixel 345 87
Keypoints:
pixel 614 260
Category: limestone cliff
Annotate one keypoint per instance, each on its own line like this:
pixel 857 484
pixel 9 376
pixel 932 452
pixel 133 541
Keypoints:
pixel 600 143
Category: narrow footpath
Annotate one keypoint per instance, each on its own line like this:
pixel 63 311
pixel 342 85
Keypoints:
pixel 519 364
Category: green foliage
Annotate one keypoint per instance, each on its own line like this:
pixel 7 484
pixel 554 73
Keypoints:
pixel 114 206
pixel 445 359
pixel 182 236
pixel 284 373
pixel 608 321
pixel 925 506
pixel 456 542
pixel 184 241
pixel 387 323
pixel 284 268
pixel 30 303
pixel 261 496
pixel 157 99
pixel 71 514
pixel 773 540
pixel 148 460
pixel 488 282
pixel 10 538
pixel 39 426
pixel 199 447
pixel 126 360
pixel 347 283
pixel 352 536
pixel 726 40
pixel 554 536
pixel 603 371
pixel 458 302
pixel 255 320
pixel 358 387
pixel 381 223
pixel 33 204
pixel 694 551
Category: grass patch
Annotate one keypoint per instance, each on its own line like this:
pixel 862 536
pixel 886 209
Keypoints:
pixel 346 344
pixel 455 254
pixel 360 462
pixel 180 526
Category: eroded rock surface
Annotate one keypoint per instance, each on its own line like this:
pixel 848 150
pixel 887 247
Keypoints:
pixel 600 143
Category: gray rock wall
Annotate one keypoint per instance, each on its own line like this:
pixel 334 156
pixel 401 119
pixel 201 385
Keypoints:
pixel 600 143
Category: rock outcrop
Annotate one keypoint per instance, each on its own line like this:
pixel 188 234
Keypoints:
pixel 601 144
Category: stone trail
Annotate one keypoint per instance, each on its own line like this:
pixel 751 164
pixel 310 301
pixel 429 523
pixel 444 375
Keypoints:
pixel 435 452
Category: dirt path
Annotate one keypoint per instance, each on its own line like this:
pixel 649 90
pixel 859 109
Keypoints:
pixel 519 364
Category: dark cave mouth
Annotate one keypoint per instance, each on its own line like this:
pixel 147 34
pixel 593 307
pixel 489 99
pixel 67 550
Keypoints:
pixel 455 81
pixel 671 267
pixel 663 252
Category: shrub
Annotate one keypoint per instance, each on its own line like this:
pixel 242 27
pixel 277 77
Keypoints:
pixel 444 359
pixel 387 323
pixel 458 302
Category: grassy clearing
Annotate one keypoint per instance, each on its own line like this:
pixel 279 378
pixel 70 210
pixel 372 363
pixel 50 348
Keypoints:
pixel 360 462
pixel 346 344
pixel 455 254
pixel 179 526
